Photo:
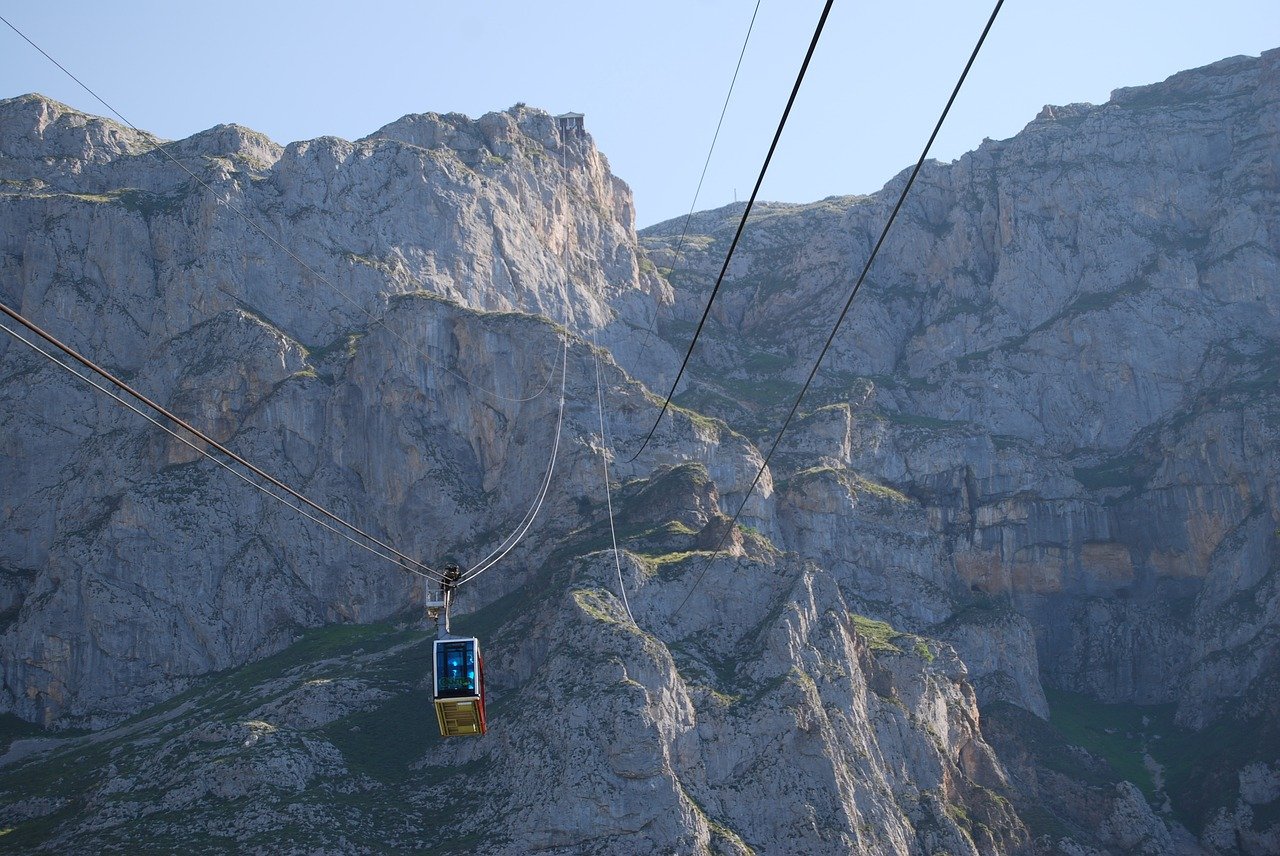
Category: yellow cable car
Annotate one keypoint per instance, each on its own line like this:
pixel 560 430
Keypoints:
pixel 459 686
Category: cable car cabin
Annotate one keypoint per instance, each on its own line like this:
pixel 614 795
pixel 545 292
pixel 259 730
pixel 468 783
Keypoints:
pixel 459 686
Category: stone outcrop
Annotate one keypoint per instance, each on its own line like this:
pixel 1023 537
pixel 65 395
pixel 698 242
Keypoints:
pixel 783 722
pixel 362 341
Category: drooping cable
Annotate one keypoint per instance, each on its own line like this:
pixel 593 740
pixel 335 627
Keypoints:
pixel 518 535
pixel 742 222
pixel 608 493
pixel 196 432
pixel 848 303
pixel 514 536
pixel 263 232
pixel 205 452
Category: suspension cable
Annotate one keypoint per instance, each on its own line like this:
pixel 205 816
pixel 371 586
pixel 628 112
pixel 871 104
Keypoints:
pixel 177 436
pixel 848 303
pixel 172 417
pixel 518 535
pixel 742 222
pixel 286 250
pixel 684 232
pixel 706 164
pixel 509 540
pixel 522 529
pixel 608 493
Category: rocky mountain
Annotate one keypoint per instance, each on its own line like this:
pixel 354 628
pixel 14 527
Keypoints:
pixel 1065 361
pixel 1009 587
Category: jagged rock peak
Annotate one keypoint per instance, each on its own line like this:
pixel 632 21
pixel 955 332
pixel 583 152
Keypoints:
pixel 496 131
pixel 1226 77
pixel 34 126
pixel 43 138
pixel 1232 78
pixel 234 141
pixel 532 204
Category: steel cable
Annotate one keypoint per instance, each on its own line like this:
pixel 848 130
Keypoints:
pixel 517 536
pixel 608 494
pixel 848 303
pixel 742 222
pixel 156 422
pixel 684 232
pixel 117 382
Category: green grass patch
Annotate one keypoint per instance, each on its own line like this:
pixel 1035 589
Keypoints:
pixel 383 743
pixel 231 693
pixel 344 345
pixel 918 420
pixel 806 475
pixel 879 490
pixel 16 728
pixel 882 637
pixel 142 202
pixel 487 622
pixel 664 563
pixel 767 392
pixel 149 204
pixel 923 651
pixel 879 635
pixel 1126 471
pixel 1113 732
pixel 760 362
pixel 852 481
pixel 1202 768
pixel 594 603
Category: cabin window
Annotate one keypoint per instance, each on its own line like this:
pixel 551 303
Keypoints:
pixel 456 669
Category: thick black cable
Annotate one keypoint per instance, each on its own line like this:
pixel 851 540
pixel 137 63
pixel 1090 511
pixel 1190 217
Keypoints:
pixel 746 212
pixel 848 303
pixel 278 244
pixel 409 563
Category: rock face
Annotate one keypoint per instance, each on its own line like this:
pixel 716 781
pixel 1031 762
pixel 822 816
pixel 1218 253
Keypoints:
pixel 339 346
pixel 605 738
pixel 390 342
pixel 1065 363
pixel 1044 449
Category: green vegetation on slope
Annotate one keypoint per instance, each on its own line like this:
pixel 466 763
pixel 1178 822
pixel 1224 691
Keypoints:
pixel 1117 733
pixel 1100 745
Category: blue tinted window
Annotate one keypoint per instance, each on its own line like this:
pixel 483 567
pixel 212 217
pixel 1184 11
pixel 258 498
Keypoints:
pixel 456 668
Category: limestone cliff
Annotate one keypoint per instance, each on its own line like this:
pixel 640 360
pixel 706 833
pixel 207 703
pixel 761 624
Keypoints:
pixel 367 369
pixel 1056 397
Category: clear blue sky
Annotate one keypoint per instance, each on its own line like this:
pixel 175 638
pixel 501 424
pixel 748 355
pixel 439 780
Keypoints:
pixel 650 77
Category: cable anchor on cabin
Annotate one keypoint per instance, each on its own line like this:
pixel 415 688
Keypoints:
pixel 438 607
